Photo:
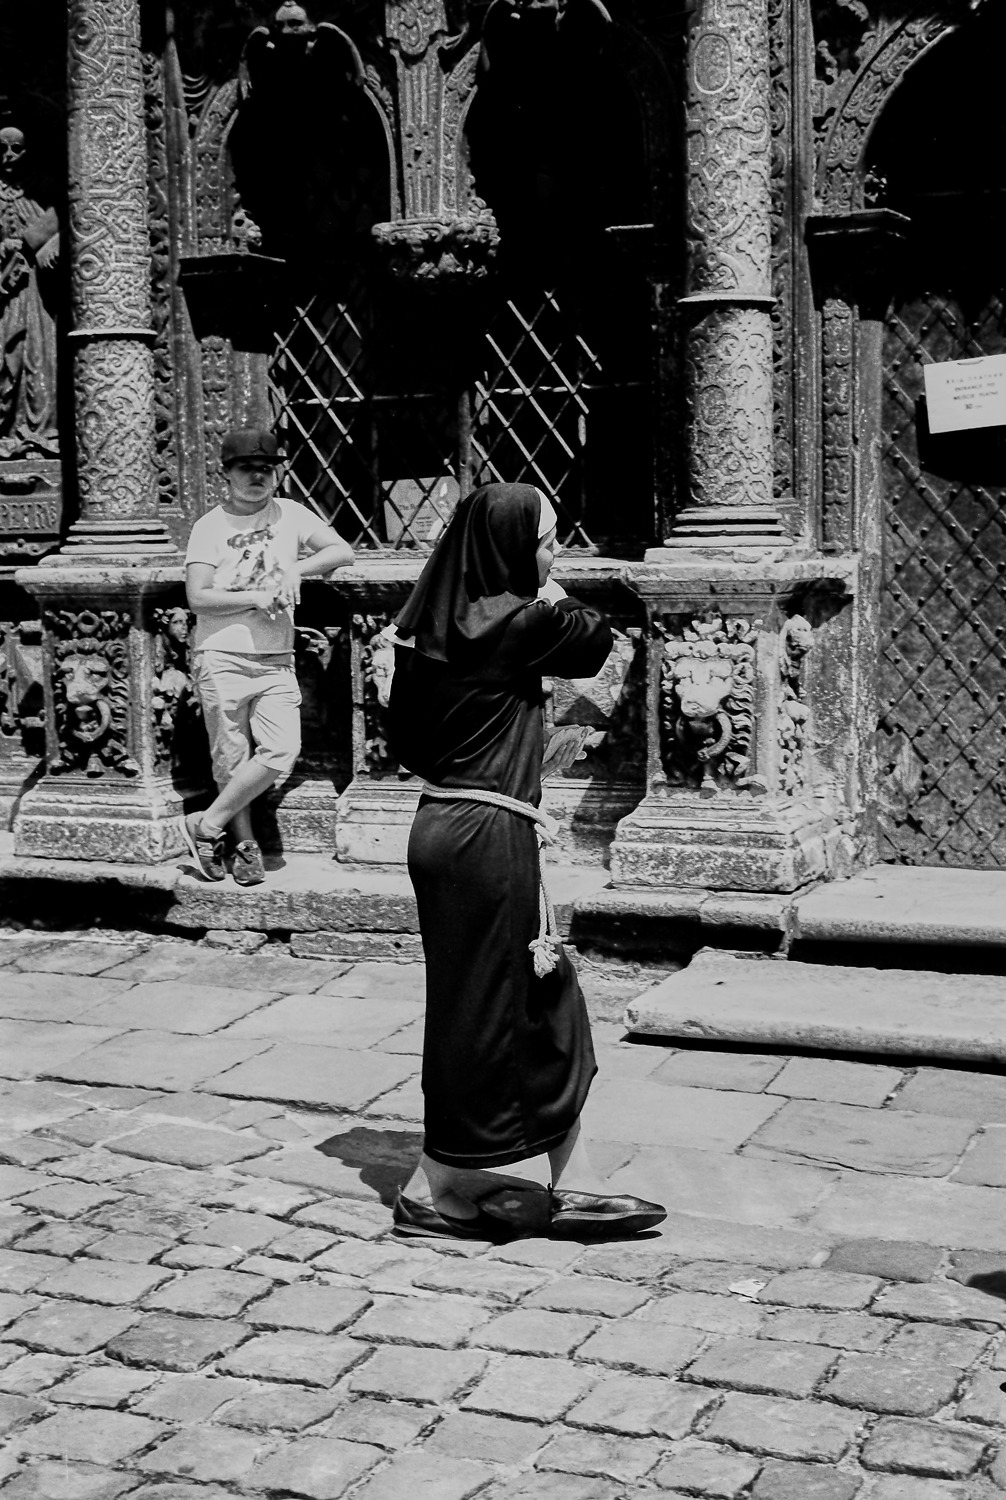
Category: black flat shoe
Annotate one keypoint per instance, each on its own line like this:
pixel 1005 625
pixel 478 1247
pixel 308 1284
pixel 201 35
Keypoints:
pixel 411 1218
pixel 586 1215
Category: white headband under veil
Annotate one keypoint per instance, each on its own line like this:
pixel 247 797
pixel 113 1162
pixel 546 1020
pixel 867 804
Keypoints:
pixel 548 520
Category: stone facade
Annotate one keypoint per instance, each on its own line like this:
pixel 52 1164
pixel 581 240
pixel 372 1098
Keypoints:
pixel 718 440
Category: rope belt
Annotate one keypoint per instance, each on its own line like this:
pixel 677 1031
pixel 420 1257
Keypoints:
pixel 546 946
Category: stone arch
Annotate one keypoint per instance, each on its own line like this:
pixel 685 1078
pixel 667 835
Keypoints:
pixel 897 48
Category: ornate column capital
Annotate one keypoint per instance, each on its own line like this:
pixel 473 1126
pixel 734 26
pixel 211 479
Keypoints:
pixel 444 235
pixel 110 279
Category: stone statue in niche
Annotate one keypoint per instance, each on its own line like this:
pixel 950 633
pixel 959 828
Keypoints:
pixel 29 252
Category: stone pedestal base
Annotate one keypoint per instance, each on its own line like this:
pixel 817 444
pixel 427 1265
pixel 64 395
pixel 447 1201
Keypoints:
pixel 732 841
pixel 302 816
pixel 16 772
pixel 114 677
pixel 374 818
pixel 62 818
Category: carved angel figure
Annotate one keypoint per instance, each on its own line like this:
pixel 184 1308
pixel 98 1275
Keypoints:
pixel 29 251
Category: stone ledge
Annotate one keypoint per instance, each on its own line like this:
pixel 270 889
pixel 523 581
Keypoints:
pixel 893 1012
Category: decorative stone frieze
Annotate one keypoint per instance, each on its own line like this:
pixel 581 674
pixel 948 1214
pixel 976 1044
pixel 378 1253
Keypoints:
pixel 795 641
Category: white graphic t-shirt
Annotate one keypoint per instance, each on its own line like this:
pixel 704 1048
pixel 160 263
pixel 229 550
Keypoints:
pixel 253 556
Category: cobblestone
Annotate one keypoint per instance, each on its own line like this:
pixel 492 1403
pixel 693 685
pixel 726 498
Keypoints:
pixel 95 1436
pixel 879 1382
pixel 642 1405
pixel 255 1315
pixel 597 1453
pixel 788 1481
pixel 315 1467
pixel 654 1348
pixel 940 1302
pixel 209 1294
pixel 101 1385
pixel 389 1424
pixel 784 1429
pixel 768 1367
pixel 702 1470
pixel 212 1454
pixel 71 1327
pixel 827 1290
pixel 423 1477
pixel 923 1448
pixel 323 1309
pixel 589 1294
pixel 115 1283
pixel 303 1358
pixel 15 1411
pixel 534 1332
pixel 288 1408
pixel 802 1325
pixel 538 1389
pixel 169 1343
pixel 492 1439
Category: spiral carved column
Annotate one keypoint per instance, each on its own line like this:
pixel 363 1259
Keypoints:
pixel 726 311
pixel 110 274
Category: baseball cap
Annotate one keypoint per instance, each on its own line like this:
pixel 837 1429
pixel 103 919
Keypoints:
pixel 249 442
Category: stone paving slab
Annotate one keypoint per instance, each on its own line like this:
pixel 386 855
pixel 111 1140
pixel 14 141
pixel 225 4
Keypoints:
pixel 826 1008
pixel 196 1322
pixel 902 904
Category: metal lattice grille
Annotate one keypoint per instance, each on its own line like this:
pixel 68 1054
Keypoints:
pixel 942 740
pixel 532 407
pixel 384 460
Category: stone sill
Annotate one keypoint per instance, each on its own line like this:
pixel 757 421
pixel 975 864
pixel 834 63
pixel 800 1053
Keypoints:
pixel 394 572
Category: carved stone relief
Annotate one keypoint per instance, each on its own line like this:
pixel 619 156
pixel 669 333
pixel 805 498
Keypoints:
pixel 796 639
pixel 90 686
pixel 29 257
pixel 729 380
pixel 372 686
pixel 161 282
pixel 602 719
pixel 173 703
pixel 707 703
pixel 21 706
pixel 110 262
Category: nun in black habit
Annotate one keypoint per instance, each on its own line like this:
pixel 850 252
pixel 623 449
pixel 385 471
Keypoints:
pixel 507 1058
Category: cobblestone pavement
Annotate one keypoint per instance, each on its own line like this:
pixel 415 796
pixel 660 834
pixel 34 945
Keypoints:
pixel 200 1295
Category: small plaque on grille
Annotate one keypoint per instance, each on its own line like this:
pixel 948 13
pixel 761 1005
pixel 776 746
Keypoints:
pixel 965 393
pixel 417 510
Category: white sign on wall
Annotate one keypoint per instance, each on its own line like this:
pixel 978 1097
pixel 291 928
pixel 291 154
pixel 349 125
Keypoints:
pixel 963 393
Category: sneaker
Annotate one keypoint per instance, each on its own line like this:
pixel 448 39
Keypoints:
pixel 247 867
pixel 207 849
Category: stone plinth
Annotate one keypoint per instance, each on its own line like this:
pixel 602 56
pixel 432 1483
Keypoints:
pixel 749 720
pixel 112 694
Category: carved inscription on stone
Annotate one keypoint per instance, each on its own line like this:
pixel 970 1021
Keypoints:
pixel 90 685
pixel 707 703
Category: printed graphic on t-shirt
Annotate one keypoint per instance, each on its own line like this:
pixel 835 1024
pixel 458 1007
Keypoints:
pixel 255 565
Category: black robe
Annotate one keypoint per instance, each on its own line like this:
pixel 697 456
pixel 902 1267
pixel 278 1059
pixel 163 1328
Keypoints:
pixel 507 1057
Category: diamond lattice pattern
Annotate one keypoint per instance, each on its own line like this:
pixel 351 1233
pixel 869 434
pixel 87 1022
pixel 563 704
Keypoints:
pixel 372 459
pixel 942 741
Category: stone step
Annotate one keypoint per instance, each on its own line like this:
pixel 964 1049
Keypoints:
pixel 768 1003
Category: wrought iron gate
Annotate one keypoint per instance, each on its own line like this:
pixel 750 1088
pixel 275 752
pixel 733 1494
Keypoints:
pixel 942 732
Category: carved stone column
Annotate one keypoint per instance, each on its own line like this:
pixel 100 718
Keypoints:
pixel 727 310
pixel 110 790
pixel 110 274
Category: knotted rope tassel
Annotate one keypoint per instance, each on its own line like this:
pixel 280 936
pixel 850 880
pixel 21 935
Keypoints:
pixel 546 946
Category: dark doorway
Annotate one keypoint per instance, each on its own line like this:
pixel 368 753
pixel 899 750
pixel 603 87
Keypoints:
pixel 939 155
